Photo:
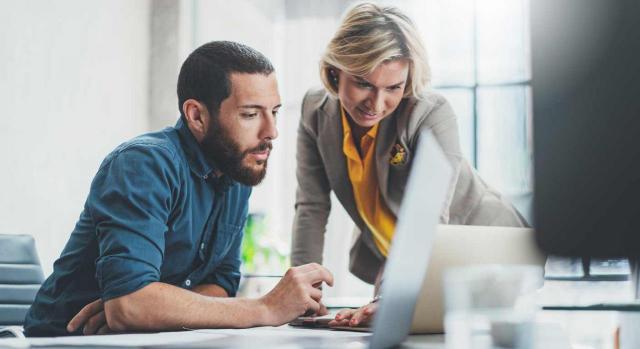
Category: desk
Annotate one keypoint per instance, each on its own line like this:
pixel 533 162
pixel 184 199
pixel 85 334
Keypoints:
pixel 260 337
pixel 554 329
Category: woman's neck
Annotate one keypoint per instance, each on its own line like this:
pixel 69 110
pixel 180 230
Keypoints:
pixel 357 132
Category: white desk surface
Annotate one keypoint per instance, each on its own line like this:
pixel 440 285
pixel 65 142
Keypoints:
pixel 554 329
pixel 260 337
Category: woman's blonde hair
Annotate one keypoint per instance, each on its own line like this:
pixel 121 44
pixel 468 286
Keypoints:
pixel 371 35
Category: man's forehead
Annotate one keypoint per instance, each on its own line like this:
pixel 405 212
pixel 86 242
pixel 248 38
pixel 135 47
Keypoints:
pixel 255 89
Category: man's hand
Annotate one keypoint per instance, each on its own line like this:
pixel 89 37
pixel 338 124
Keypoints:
pixel 91 319
pixel 355 317
pixel 296 293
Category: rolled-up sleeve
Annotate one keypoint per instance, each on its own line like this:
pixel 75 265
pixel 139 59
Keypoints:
pixel 130 201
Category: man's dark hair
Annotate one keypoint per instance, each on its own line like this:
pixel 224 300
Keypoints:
pixel 204 75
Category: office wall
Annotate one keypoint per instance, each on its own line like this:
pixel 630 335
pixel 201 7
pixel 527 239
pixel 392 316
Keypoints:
pixel 73 85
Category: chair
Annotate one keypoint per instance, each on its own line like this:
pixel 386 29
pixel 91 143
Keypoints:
pixel 20 278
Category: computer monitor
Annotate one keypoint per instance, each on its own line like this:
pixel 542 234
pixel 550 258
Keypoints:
pixel 586 118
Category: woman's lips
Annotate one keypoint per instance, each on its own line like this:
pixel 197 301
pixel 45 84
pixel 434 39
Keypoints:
pixel 367 115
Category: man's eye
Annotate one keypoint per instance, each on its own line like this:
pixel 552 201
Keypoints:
pixel 249 115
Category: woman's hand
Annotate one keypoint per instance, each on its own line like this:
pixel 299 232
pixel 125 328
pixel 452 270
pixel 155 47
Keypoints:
pixel 355 317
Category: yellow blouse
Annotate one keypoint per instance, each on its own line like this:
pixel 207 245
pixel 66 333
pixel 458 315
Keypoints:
pixel 364 180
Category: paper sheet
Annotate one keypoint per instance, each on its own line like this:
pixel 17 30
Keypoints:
pixel 287 331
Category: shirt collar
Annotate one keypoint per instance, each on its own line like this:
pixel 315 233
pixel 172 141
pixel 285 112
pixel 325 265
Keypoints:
pixel 196 158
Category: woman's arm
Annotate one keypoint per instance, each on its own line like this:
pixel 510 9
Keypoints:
pixel 313 202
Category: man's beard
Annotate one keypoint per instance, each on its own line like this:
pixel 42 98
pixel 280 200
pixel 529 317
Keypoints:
pixel 226 155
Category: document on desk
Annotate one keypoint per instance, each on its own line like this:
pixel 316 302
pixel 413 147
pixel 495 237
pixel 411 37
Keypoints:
pixel 285 331
pixel 114 340
pixel 279 337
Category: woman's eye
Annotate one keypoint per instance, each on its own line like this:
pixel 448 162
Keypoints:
pixel 363 85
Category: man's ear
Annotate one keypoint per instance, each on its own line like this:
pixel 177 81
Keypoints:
pixel 197 118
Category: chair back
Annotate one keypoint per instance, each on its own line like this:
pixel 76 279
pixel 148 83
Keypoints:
pixel 20 277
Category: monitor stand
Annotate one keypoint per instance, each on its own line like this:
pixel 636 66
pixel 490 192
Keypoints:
pixel 635 277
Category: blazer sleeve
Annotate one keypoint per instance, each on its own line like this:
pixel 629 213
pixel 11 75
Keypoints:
pixel 470 200
pixel 313 202
pixel 441 120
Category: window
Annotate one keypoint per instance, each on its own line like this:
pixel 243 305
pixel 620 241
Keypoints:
pixel 479 53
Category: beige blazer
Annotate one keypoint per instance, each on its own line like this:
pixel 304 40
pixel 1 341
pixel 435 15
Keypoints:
pixel 322 168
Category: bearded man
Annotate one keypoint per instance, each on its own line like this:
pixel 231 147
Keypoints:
pixel 157 244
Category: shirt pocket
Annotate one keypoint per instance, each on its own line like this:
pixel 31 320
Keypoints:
pixel 226 234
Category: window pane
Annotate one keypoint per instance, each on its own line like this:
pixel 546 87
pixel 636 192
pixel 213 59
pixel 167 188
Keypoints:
pixel 447 30
pixel 504 149
pixel 461 100
pixel 503 44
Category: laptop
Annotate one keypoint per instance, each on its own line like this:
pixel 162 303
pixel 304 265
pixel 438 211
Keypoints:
pixel 412 299
pixel 455 246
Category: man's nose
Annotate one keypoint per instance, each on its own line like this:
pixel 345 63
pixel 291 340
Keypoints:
pixel 269 129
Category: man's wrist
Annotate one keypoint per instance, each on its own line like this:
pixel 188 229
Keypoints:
pixel 263 312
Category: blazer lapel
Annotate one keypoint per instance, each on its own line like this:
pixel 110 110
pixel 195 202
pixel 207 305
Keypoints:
pixel 392 131
pixel 331 135
pixel 384 142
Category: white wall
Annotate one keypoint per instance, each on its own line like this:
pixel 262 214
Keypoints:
pixel 73 85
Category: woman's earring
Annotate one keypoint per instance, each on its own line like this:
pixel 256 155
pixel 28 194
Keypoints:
pixel 334 77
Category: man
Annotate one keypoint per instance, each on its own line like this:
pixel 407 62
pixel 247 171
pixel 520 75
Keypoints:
pixel 157 244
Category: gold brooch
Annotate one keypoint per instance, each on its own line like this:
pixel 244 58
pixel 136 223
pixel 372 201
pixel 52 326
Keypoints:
pixel 398 155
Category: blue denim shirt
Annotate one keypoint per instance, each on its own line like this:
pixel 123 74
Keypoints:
pixel 155 212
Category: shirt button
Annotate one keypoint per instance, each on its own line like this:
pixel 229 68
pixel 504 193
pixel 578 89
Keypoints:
pixel 205 176
pixel 202 246
pixel 187 282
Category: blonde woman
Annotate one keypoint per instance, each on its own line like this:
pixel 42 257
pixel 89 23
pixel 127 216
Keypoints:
pixel 357 137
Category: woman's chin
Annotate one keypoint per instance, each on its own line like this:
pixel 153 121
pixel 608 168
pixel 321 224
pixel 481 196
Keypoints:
pixel 367 122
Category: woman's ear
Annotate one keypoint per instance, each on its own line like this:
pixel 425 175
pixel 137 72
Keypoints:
pixel 334 74
pixel 197 117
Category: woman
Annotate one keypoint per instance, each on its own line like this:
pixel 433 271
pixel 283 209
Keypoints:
pixel 357 137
